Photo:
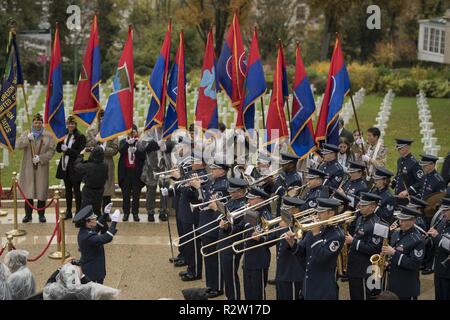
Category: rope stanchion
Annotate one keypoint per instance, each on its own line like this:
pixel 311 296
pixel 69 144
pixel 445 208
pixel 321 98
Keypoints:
pixel 29 204
pixel 5 195
pixel 3 213
pixel 16 232
pixel 59 253
pixel 62 229
pixel 47 246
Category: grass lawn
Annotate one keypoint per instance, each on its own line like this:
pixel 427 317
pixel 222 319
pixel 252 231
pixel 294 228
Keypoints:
pixel 440 112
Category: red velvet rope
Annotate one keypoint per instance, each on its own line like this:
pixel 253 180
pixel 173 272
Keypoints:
pixel 29 204
pixel 46 247
pixel 3 249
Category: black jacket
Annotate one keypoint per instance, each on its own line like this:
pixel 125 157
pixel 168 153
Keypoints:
pixel 73 152
pixel 93 172
pixel 139 161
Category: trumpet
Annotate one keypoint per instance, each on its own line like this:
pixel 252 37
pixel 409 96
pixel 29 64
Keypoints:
pixel 230 219
pixel 266 225
pixel 295 191
pixel 262 179
pixel 193 178
pixel 195 206
pixel 231 216
pixel 165 173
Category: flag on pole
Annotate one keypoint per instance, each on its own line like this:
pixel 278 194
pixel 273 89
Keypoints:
pixel 338 85
pixel 206 111
pixel 255 84
pixel 55 119
pixel 118 118
pixel 87 100
pixel 303 108
pixel 231 68
pixel 176 94
pixel 276 128
pixel 157 84
pixel 11 78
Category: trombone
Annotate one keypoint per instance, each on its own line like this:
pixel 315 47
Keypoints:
pixel 193 178
pixel 162 173
pixel 231 216
pixel 199 205
pixel 262 179
pixel 295 191
pixel 298 229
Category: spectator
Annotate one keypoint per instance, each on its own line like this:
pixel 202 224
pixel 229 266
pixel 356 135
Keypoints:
pixel 70 148
pixel 21 282
pixel 357 146
pixel 5 294
pixel 344 155
pixel 130 166
pixel 446 169
pixel 344 133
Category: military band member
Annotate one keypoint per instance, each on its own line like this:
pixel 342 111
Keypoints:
pixel 441 239
pixel 290 269
pixel 431 181
pixel 215 188
pixel 91 243
pixel 331 166
pixel 70 147
pixel 35 167
pixel 363 244
pixel 110 148
pixel 230 260
pixel 381 179
pixel 405 252
pixel 257 261
pixel 316 189
pixel 376 153
pixel 409 172
pixel 356 184
pixel 321 248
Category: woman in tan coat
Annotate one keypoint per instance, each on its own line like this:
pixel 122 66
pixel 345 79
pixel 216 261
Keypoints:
pixel 111 148
pixel 35 169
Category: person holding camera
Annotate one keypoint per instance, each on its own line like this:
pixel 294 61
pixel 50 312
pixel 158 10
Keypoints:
pixel 92 237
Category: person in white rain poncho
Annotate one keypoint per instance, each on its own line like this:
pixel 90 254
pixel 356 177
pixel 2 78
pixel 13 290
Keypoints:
pixel 21 282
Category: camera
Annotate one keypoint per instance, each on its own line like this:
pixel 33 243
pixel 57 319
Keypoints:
pixel 76 262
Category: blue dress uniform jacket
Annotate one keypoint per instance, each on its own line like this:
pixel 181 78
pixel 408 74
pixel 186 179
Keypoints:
pixel 285 180
pixel 290 266
pixel 335 173
pixel 353 188
pixel 364 244
pixel 386 206
pixel 90 244
pixel 321 252
pixel 407 167
pixel 442 242
pixel 219 188
pixel 311 196
pixel 237 226
pixel 258 258
pixel 405 264
pixel 430 183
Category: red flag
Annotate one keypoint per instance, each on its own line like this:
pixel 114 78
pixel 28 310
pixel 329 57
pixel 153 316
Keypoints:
pixel 276 119
pixel 206 112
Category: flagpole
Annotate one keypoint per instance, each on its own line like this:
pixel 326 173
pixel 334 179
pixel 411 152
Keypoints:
pixel 262 111
pixel 12 31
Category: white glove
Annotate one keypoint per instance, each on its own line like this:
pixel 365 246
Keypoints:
pixel 103 146
pixel 30 136
pixel 97 137
pixel 131 140
pixel 359 141
pixel 36 159
pixel 115 216
pixel 64 147
pixel 108 208
pixel 164 192
pixel 162 145
pixel 365 158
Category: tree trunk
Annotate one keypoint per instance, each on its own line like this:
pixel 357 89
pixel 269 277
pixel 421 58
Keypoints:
pixel 329 27
pixel 221 25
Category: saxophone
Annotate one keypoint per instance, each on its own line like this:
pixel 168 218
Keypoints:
pixel 380 260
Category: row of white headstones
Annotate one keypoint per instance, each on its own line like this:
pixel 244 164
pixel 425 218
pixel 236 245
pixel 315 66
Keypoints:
pixel 430 145
pixel 382 118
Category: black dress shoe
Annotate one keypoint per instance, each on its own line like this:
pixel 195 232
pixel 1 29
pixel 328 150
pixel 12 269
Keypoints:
pixel 125 217
pixel 136 218
pixel 68 215
pixel 175 259
pixel 272 282
pixel 183 273
pixel 42 219
pixel 27 219
pixel 190 277
pixel 163 216
pixel 427 271
pixel 180 263
pixel 151 217
pixel 214 293
pixel 108 218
